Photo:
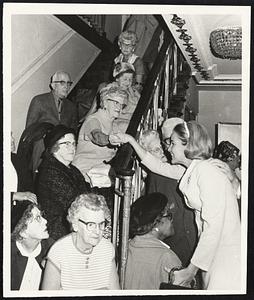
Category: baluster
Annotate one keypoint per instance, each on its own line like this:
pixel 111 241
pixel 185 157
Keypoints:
pixel 127 188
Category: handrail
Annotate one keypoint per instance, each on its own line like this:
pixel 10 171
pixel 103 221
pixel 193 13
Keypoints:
pixel 122 159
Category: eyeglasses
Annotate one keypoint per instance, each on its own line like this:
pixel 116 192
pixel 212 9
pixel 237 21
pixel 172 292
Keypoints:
pixel 116 103
pixel 127 45
pixel 168 216
pixel 62 83
pixel 68 144
pixel 91 226
pixel 167 141
pixel 156 150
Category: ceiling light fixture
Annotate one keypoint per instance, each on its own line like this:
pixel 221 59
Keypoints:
pixel 226 42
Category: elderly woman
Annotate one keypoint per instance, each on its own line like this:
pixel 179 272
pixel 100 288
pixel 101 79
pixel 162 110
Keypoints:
pixel 150 223
pixel 29 246
pixel 59 182
pixel 127 41
pixel 94 148
pixel 83 259
pixel 184 240
pixel 209 192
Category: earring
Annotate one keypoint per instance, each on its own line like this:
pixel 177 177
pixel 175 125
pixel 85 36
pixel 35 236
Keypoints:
pixel 156 229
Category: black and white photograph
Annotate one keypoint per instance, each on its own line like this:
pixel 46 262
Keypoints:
pixel 126 149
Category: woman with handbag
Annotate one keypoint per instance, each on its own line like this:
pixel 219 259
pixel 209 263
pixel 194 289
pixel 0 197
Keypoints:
pixel 209 192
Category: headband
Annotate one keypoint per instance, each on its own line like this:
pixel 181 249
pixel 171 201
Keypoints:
pixel 186 129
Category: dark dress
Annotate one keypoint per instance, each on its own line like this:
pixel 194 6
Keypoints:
pixel 56 187
pixel 18 262
pixel 184 241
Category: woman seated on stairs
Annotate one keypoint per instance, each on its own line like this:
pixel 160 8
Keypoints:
pixel 127 42
pixel 123 74
pixel 94 148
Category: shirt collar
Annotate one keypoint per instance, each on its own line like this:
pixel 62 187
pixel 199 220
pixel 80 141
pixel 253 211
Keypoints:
pixel 24 252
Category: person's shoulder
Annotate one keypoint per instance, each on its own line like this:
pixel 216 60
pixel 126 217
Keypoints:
pixel 62 243
pixel 206 166
pixel 170 257
pixel 42 97
pixel 69 103
pixel 106 244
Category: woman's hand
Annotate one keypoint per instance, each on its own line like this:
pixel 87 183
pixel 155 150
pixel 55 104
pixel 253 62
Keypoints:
pixel 184 277
pixel 224 167
pixel 22 196
pixel 120 138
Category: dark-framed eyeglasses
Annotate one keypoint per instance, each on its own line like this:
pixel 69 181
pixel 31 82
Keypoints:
pixel 116 103
pixel 68 144
pixel 168 216
pixel 129 46
pixel 92 226
pixel 62 83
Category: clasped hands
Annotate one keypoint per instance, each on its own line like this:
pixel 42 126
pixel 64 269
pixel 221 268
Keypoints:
pixel 119 138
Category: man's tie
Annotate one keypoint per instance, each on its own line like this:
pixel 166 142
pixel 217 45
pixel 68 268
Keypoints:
pixel 59 106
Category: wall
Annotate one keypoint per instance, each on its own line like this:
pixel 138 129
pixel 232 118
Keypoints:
pixel 219 104
pixel 113 26
pixel 192 96
pixel 41 45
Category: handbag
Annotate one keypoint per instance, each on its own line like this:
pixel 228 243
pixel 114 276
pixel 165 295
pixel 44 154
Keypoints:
pixel 170 286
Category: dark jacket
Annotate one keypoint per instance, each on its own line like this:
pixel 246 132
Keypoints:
pixel 56 187
pixel 184 241
pixel 43 109
pixel 18 262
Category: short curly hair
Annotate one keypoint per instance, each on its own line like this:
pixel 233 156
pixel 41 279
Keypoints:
pixel 226 151
pixel 91 201
pixel 195 136
pixel 128 35
pixel 146 138
pixel 112 91
pixel 23 222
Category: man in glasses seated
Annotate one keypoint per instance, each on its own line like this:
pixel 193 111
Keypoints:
pixel 83 260
pixel 52 107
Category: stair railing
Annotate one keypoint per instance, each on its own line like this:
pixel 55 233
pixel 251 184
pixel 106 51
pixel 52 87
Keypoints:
pixel 144 117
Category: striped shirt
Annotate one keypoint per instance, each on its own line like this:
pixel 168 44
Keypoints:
pixel 79 270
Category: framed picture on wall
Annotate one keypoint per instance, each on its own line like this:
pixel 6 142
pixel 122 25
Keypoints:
pixel 228 132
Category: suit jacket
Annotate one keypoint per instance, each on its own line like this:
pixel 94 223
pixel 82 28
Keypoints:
pixel 43 109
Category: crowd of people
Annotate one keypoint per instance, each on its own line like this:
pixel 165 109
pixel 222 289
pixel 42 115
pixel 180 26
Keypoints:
pixel 187 218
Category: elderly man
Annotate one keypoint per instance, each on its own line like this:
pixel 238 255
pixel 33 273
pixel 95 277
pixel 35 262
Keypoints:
pixel 52 107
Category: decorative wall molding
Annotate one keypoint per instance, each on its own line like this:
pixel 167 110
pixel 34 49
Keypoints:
pixel 38 62
pixel 191 33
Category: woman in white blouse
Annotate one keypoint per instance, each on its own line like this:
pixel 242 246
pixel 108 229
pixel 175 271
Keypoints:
pixel 210 193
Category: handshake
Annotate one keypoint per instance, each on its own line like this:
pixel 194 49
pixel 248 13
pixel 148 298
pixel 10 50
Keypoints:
pixel 119 138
